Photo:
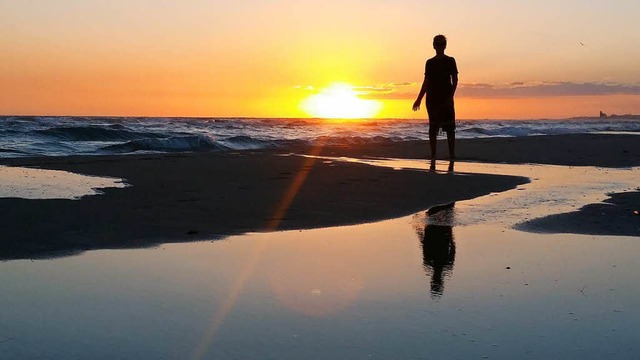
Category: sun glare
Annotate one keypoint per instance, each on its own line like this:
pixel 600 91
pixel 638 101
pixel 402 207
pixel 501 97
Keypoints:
pixel 339 101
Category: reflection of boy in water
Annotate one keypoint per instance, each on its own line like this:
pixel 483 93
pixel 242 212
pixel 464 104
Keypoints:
pixel 440 83
pixel 438 252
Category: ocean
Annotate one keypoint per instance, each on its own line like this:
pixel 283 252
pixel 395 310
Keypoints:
pixel 22 136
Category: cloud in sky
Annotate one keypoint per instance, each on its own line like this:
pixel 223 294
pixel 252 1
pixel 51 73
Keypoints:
pixel 383 90
pixel 400 90
pixel 546 89
pixel 404 90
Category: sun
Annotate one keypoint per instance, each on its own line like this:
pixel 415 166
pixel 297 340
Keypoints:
pixel 339 101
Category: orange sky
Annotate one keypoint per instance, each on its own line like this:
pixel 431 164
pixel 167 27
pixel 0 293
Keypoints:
pixel 259 58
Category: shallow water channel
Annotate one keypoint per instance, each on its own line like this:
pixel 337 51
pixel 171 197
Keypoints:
pixel 457 284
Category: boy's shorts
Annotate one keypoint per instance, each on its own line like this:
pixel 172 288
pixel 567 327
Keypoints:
pixel 442 115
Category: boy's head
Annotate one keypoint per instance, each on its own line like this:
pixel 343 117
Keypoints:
pixel 439 42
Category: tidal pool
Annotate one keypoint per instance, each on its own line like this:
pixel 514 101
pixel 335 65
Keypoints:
pixel 459 283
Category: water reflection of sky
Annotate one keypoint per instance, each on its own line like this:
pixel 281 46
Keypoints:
pixel 29 183
pixel 364 291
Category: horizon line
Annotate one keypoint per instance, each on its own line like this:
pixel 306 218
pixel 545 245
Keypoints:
pixel 609 116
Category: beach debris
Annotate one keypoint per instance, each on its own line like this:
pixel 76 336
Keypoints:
pixel 508 268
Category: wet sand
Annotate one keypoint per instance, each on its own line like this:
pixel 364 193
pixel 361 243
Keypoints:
pixel 604 150
pixel 617 215
pixel 183 197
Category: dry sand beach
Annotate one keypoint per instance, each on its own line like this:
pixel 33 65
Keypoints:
pixel 358 291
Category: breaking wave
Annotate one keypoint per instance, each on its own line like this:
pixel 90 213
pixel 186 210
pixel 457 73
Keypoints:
pixel 59 135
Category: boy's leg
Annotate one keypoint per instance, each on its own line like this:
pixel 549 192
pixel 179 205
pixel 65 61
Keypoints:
pixel 451 140
pixel 433 138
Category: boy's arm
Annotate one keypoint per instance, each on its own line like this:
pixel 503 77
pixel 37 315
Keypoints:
pixel 423 91
pixel 454 82
pixel 454 77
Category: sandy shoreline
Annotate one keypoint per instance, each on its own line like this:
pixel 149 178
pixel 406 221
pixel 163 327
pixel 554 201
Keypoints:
pixel 183 197
pixel 603 150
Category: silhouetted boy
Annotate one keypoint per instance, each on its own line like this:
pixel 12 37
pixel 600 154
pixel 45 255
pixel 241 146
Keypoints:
pixel 440 83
